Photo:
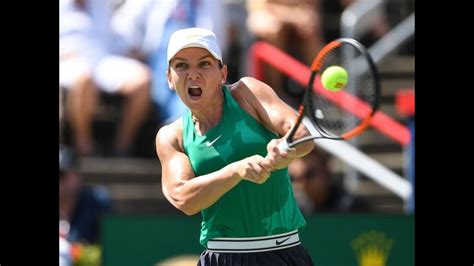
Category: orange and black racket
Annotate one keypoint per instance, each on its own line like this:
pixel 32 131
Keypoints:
pixel 344 113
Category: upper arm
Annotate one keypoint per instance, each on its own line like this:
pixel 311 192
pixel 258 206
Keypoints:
pixel 175 164
pixel 271 111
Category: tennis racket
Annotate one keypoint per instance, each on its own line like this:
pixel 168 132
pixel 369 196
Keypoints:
pixel 342 114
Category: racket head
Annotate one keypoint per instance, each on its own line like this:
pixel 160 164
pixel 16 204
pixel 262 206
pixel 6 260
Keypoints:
pixel 345 113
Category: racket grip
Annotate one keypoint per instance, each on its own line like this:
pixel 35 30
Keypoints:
pixel 283 146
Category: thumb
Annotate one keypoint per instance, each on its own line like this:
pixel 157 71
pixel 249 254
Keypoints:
pixel 269 162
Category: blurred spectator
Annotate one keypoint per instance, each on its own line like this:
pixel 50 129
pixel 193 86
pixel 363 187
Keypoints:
pixel 91 59
pixel 316 191
pixel 65 250
pixel 379 27
pixel 289 25
pixel 81 207
pixel 146 26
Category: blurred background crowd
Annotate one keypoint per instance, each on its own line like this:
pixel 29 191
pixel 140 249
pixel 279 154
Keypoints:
pixel 114 97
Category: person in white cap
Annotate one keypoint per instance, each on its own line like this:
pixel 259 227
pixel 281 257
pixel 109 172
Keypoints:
pixel 221 159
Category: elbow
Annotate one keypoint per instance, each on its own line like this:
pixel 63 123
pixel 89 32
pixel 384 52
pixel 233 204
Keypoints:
pixel 189 212
pixel 180 201
pixel 186 208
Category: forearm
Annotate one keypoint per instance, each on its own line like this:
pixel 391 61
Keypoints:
pixel 305 147
pixel 201 192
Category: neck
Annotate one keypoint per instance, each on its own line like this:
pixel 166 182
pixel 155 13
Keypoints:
pixel 209 117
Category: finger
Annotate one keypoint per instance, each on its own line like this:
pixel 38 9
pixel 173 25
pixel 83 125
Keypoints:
pixel 284 154
pixel 275 148
pixel 264 174
pixel 272 146
pixel 259 166
pixel 269 162
pixel 261 171
pixel 256 168
pixel 265 164
pixel 254 177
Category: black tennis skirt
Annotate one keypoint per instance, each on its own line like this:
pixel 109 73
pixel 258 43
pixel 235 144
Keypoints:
pixel 293 256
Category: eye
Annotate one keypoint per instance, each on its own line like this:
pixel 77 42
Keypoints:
pixel 204 64
pixel 180 65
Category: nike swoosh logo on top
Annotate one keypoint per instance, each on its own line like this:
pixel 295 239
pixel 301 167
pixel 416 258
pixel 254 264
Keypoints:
pixel 209 143
pixel 280 242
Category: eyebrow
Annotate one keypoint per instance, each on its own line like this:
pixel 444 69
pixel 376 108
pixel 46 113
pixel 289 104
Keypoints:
pixel 184 59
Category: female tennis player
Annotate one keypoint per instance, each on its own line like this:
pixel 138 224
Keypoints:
pixel 221 159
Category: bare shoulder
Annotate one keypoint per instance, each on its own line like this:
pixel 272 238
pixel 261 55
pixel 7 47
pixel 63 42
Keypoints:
pixel 250 81
pixel 170 136
pixel 252 84
pixel 249 87
pixel 260 101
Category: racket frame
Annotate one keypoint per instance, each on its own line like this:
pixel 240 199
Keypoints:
pixel 315 69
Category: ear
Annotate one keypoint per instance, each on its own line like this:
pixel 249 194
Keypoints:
pixel 224 74
pixel 170 82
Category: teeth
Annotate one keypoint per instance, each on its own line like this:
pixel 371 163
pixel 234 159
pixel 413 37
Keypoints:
pixel 194 87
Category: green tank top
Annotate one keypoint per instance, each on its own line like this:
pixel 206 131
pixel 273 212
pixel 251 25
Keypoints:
pixel 248 209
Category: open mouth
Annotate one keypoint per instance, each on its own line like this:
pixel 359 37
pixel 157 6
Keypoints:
pixel 194 91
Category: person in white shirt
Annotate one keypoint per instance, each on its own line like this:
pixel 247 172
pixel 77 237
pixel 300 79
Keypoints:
pixel 92 59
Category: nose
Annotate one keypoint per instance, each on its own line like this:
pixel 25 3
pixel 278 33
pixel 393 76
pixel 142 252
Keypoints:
pixel 193 73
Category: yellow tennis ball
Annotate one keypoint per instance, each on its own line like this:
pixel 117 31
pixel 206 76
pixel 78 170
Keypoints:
pixel 334 78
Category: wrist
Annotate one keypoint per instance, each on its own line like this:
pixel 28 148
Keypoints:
pixel 234 172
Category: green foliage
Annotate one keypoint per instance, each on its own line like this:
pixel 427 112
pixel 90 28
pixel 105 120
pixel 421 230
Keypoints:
pixel 90 255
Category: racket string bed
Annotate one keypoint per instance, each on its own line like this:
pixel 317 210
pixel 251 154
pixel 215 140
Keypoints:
pixel 335 118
